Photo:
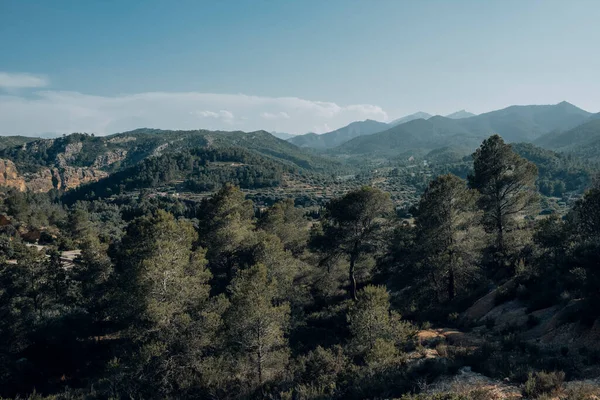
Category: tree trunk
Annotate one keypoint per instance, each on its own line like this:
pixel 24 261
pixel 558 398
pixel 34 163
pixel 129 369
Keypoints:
pixel 501 238
pixel 451 284
pixel 353 258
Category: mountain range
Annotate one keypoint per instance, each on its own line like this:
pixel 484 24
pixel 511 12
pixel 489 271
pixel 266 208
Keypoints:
pixel 514 124
pixel 69 161
pixel 358 128
pixel 339 136
pixel 583 140
pixel 460 114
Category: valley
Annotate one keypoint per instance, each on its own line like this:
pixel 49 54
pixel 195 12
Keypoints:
pixel 114 246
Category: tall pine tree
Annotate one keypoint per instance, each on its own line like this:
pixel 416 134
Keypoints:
pixel 506 182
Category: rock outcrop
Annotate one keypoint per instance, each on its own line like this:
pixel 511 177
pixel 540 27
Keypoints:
pixel 43 181
pixel 109 158
pixel 73 177
pixel 9 176
pixel 70 153
pixel 47 179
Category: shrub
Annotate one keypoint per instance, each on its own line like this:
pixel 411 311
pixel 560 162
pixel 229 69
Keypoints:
pixel 504 294
pixel 544 383
pixel 583 391
pixel 442 350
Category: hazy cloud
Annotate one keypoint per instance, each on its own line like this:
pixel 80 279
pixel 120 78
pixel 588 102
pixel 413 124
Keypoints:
pixel 282 114
pixel 21 80
pixel 224 115
pixel 66 112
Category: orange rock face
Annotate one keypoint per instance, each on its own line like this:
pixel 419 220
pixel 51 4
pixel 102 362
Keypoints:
pixel 9 177
pixel 47 179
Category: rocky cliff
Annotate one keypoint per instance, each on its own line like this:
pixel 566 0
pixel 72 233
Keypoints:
pixel 9 177
pixel 47 178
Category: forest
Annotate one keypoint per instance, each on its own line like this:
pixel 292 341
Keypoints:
pixel 170 298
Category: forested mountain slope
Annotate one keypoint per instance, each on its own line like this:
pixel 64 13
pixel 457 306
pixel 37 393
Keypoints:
pixel 339 136
pixel 432 133
pixel 411 117
pixel 69 161
pixel 582 141
pixel 514 124
pixel 219 297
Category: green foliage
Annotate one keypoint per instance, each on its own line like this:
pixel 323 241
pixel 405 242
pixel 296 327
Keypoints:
pixel 449 236
pixel 506 183
pixel 377 334
pixel 558 173
pixel 256 328
pixel 288 224
pixel 542 383
pixel 352 226
pixel 220 297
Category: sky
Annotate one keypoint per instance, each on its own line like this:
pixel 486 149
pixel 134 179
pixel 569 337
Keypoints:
pixel 287 66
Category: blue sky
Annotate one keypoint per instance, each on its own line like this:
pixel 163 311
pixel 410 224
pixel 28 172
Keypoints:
pixel 294 66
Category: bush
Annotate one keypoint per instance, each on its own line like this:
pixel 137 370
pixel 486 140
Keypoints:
pixel 505 294
pixel 442 350
pixel 583 391
pixel 543 383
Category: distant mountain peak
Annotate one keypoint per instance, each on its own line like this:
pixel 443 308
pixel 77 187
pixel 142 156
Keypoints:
pixel 339 136
pixel 460 114
pixel 567 105
pixel 407 118
pixel 282 135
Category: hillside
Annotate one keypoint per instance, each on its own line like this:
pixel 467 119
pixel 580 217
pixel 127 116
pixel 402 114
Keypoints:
pixel 427 134
pixel 193 170
pixel 339 136
pixel 12 141
pixel 411 117
pixel 282 135
pixel 67 162
pixel 460 114
pixel 583 140
pixel 514 124
pixel 558 173
pixel 526 123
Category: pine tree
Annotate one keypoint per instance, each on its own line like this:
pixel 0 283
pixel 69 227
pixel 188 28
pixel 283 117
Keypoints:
pixel 163 282
pixel 353 225
pixel 256 327
pixel 288 223
pixel 506 182
pixel 448 234
pixel 374 327
pixel 226 222
pixel 91 276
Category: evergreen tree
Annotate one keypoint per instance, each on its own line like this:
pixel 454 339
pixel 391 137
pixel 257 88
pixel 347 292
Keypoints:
pixel 353 225
pixel 585 256
pixel 91 276
pixel 288 223
pixel 282 266
pixel 256 328
pixel 163 283
pixel 506 182
pixel 449 240
pixel 376 332
pixel 226 223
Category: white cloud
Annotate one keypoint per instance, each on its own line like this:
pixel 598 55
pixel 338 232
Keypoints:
pixel 66 112
pixel 21 80
pixel 224 115
pixel 268 115
pixel 322 129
